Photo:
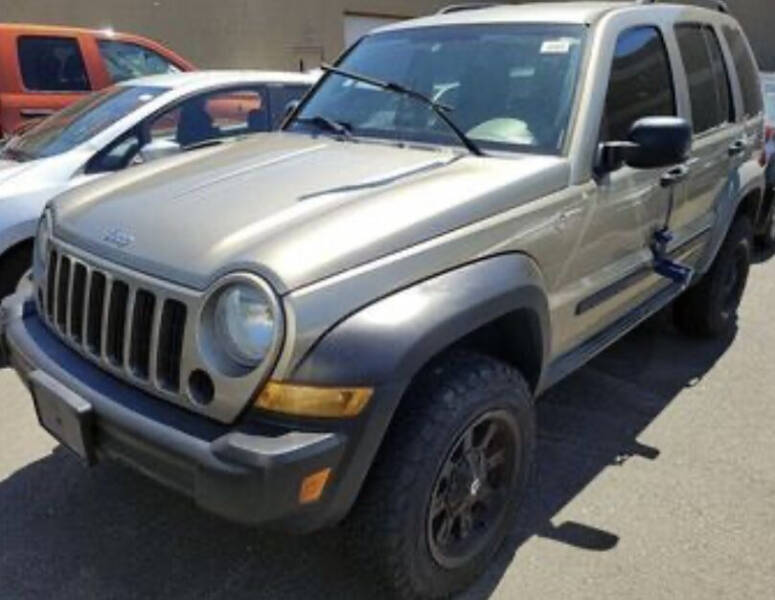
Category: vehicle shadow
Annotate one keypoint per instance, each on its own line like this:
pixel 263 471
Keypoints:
pixel 108 533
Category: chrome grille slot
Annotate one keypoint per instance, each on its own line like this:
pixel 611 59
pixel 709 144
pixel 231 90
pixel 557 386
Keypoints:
pixel 77 299
pixel 51 278
pixel 62 292
pixel 116 328
pixel 171 330
pixel 142 324
pixel 95 308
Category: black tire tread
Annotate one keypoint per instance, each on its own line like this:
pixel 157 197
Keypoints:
pixel 694 312
pixel 375 524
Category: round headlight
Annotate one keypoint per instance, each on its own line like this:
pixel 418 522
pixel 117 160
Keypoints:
pixel 43 239
pixel 245 323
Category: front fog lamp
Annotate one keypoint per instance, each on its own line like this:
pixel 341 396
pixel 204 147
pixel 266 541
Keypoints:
pixel 244 323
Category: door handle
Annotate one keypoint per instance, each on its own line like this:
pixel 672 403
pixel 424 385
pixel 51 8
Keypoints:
pixel 35 113
pixel 737 147
pixel 674 176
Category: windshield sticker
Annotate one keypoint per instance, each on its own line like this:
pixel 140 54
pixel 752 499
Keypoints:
pixel 555 47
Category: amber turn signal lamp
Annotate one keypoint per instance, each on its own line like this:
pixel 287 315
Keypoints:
pixel 311 401
pixel 312 486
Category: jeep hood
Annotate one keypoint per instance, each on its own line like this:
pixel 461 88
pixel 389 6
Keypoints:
pixel 292 208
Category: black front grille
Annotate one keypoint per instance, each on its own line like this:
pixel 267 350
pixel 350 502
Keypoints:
pixel 142 324
pixel 115 322
pixel 173 322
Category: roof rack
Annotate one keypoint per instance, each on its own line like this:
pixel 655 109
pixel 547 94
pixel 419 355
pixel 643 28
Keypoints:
pixel 719 5
pixel 453 8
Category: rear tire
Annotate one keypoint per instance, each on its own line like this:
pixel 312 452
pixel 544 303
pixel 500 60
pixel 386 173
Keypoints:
pixel 446 487
pixel 14 264
pixel 766 239
pixel 709 309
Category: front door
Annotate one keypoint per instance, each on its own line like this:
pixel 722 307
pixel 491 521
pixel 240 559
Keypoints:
pixel 611 273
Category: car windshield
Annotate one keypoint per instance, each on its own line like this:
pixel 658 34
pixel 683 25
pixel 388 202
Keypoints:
pixel 79 122
pixel 769 101
pixel 509 86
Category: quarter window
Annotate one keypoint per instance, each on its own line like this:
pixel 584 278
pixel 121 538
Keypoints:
pixel 280 97
pixel 708 85
pixel 747 71
pixel 125 60
pixel 52 64
pixel 641 83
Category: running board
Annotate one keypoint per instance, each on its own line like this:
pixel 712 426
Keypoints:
pixel 569 362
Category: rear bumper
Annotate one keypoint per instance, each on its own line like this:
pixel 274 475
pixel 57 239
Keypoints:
pixel 250 473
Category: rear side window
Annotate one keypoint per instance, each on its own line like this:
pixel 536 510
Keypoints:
pixel 641 82
pixel 747 71
pixel 280 97
pixel 705 72
pixel 52 64
pixel 125 60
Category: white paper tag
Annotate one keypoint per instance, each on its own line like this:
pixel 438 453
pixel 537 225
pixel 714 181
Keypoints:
pixel 555 47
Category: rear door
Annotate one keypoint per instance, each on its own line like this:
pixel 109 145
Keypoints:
pixel 51 73
pixel 715 143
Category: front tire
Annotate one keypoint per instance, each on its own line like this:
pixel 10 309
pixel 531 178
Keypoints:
pixel 709 309
pixel 446 487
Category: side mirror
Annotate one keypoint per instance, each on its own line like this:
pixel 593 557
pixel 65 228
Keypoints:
pixel 652 143
pixel 158 148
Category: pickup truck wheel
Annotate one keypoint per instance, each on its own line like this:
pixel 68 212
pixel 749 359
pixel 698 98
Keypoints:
pixel 13 267
pixel 446 487
pixel 709 309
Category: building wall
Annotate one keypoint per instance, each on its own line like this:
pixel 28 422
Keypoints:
pixel 277 34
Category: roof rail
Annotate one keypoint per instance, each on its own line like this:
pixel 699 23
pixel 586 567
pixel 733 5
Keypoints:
pixel 719 5
pixel 453 8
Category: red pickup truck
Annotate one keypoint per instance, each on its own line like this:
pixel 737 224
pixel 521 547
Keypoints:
pixel 44 68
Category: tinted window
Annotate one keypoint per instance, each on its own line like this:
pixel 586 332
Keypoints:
pixel 512 86
pixel 280 97
pixel 641 82
pixel 51 64
pixel 747 72
pixel 721 76
pixel 125 60
pixel 705 71
pixel 79 122
pixel 212 116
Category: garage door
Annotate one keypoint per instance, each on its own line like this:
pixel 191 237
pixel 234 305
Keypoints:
pixel 356 26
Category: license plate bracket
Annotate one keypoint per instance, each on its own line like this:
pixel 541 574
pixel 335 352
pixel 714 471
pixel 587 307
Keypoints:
pixel 65 415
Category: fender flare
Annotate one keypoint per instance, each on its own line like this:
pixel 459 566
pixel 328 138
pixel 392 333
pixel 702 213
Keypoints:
pixel 393 338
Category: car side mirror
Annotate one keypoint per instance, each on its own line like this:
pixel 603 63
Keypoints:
pixel 158 148
pixel 652 143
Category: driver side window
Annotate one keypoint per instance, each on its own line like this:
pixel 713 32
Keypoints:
pixel 641 83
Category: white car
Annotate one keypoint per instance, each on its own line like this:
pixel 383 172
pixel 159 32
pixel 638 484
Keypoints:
pixel 124 125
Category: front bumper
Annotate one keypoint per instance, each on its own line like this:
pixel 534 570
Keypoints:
pixel 251 472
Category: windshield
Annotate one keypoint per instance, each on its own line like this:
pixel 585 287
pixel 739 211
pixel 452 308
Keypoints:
pixel 510 86
pixel 769 101
pixel 79 122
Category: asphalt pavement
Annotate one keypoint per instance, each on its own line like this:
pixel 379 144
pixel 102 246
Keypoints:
pixel 656 480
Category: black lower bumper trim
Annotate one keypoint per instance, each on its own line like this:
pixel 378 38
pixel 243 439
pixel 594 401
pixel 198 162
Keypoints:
pixel 244 474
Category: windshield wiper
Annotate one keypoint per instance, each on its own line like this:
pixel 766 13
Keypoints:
pixel 441 110
pixel 323 122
